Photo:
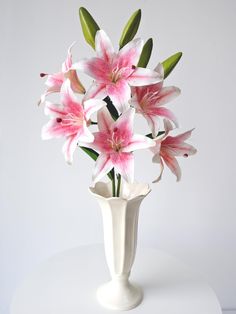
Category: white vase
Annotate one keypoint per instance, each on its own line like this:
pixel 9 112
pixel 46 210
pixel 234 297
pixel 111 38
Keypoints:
pixel 120 223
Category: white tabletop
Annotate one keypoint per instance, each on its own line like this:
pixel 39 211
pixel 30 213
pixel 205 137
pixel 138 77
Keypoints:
pixel 67 283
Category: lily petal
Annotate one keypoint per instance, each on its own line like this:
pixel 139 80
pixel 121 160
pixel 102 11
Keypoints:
pixel 84 135
pixel 157 159
pixel 173 165
pixel 52 129
pixel 66 65
pixel 130 53
pixel 76 85
pixel 102 166
pixel 166 113
pixel 167 94
pixel 183 149
pixel 120 94
pixel 105 121
pixel 96 90
pixel 138 142
pixel 91 106
pixel 95 67
pixel 124 164
pixel 142 76
pixel 125 122
pixel 104 47
pixel 160 69
pixel 68 98
pixel 53 110
pixel 69 148
pixel 180 138
pixel 153 122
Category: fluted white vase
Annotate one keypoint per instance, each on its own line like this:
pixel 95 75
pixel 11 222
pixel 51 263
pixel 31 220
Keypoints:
pixel 120 224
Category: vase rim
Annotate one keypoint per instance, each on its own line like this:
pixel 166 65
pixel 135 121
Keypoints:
pixel 129 191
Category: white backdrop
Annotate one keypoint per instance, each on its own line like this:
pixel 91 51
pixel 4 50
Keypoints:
pixel 45 204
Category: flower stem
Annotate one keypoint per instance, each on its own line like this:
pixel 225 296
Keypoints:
pixel 118 185
pixel 114 184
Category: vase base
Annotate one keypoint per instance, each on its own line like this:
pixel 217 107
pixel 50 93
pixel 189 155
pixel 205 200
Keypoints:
pixel 119 296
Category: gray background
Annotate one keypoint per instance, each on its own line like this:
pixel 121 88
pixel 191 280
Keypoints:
pixel 45 204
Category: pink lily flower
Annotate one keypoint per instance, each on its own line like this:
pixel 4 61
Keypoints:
pixel 54 81
pixel 70 120
pixel 114 73
pixel 169 147
pixel 115 141
pixel 149 101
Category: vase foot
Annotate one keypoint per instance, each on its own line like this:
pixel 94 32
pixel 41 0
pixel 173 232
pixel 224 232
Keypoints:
pixel 121 296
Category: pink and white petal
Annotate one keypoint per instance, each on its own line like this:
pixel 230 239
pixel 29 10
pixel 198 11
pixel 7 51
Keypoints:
pixel 52 130
pixel 102 167
pixel 120 94
pixel 173 165
pixel 53 110
pixel 182 149
pixel 54 81
pixel 43 97
pixel 142 77
pixel 182 137
pixel 160 69
pixel 138 142
pixel 103 46
pixel 69 100
pixel 167 94
pixel 91 106
pixel 166 113
pixel 156 149
pixel 94 67
pixel 66 65
pixel 84 134
pixel 69 148
pixel 167 126
pixel 105 120
pixel 96 90
pixel 157 159
pixel 124 165
pixel 76 85
pixel 130 53
pixel 124 124
pixel 99 144
pixel 153 122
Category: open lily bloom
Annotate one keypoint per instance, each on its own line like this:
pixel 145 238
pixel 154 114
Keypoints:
pixel 168 147
pixel 114 73
pixel 149 101
pixel 70 120
pixel 54 81
pixel 115 141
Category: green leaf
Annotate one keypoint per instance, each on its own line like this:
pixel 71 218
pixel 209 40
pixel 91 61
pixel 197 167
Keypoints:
pixel 170 63
pixel 89 26
pixel 130 28
pixel 94 155
pixel 145 54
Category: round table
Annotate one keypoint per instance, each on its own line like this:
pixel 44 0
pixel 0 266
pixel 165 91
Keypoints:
pixel 67 283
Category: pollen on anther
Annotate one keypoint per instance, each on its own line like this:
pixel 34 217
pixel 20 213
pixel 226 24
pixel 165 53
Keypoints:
pixel 185 155
pixel 42 74
pixel 115 129
pixel 59 120
pixel 133 67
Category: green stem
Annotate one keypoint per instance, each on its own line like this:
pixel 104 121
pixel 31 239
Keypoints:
pixel 113 183
pixel 118 185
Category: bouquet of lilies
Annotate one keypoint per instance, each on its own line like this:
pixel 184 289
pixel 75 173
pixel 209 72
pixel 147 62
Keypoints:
pixel 122 87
